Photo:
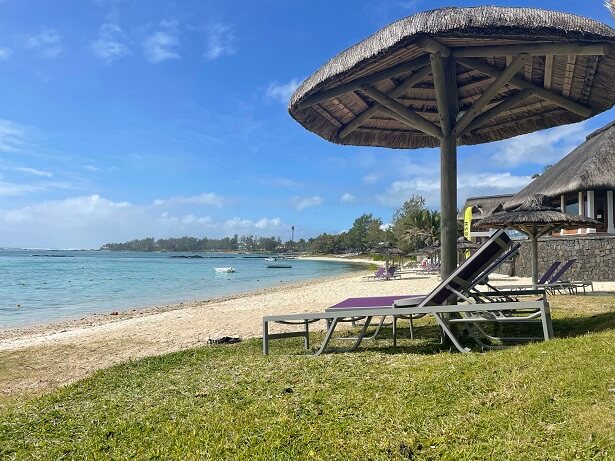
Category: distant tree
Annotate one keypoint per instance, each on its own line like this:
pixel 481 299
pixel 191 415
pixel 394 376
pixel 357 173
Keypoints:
pixel 327 243
pixel 364 233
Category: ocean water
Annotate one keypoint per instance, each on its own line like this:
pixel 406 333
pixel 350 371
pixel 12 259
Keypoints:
pixel 38 286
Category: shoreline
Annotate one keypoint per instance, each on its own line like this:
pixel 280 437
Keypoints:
pixel 100 318
pixel 43 358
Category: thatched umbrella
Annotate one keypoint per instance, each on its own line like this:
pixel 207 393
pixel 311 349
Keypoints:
pixel 588 167
pixel 610 4
pixel 535 217
pixel 389 251
pixel 461 76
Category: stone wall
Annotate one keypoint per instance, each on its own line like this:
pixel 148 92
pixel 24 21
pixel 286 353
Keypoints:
pixel 595 257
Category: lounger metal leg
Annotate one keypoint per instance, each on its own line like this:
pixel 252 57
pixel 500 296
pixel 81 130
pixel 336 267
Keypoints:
pixel 368 320
pixel 331 328
pixel 411 328
pixel 547 327
pixel 394 331
pixel 448 332
pixel 265 337
pixel 307 336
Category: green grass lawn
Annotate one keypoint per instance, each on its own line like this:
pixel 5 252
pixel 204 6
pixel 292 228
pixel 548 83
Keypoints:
pixel 539 401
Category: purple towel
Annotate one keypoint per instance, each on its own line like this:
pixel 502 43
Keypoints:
pixel 370 302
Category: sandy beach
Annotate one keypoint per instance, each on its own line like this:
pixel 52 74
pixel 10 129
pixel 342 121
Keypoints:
pixel 52 355
pixel 58 354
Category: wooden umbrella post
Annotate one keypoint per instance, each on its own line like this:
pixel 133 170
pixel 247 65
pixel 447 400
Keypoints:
pixel 534 260
pixel 445 84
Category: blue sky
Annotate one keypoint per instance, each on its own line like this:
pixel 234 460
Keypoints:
pixel 123 119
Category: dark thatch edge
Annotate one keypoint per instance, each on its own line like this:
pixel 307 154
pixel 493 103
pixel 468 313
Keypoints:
pixel 591 166
pixel 483 21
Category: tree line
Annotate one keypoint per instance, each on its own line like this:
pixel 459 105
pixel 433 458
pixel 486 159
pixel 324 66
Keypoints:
pixel 412 226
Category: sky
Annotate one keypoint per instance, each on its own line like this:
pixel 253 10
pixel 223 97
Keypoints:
pixel 124 119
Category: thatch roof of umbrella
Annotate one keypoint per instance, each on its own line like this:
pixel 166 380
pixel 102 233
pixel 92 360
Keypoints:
pixel 588 167
pixel 566 77
pixel 388 250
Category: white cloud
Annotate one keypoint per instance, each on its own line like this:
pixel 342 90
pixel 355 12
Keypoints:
pixel 542 147
pixel 220 41
pixel 467 185
pixel 205 199
pixel 48 42
pixel 12 136
pixel 301 203
pixel 347 198
pixel 5 53
pixel 90 221
pixel 110 44
pixel 162 45
pixel 371 178
pixel 9 189
pixel 282 91
pixel 494 181
pixel 265 223
pixel 32 171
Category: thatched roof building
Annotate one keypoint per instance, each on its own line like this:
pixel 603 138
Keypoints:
pixel 483 206
pixel 591 166
pixel 582 182
pixel 566 77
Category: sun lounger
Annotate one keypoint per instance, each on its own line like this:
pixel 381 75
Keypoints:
pixel 553 282
pixel 380 274
pixel 393 273
pixel 476 308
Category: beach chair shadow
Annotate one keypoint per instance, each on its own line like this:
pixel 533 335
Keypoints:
pixel 578 326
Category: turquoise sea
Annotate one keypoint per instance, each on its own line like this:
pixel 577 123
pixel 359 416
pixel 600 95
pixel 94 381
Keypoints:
pixel 42 286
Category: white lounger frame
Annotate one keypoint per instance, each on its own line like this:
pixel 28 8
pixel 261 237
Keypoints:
pixel 474 314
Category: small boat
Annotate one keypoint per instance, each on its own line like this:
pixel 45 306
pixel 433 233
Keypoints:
pixel 279 266
pixel 224 269
pixel 271 259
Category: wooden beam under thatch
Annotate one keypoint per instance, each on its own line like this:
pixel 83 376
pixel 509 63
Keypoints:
pixel 523 84
pixel 412 117
pixel 572 60
pixel 505 105
pixel 433 46
pixel 490 93
pixel 415 78
pixel 356 84
pixel 532 49
pixel 548 77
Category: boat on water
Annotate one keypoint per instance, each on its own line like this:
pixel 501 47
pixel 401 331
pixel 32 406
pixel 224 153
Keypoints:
pixel 279 266
pixel 271 259
pixel 224 269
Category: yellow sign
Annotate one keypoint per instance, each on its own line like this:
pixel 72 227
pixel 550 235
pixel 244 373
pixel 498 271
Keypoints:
pixel 467 226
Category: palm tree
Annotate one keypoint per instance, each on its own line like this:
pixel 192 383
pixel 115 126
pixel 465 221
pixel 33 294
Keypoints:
pixel 424 229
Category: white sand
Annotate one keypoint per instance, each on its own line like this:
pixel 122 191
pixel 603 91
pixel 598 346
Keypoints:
pixel 60 354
